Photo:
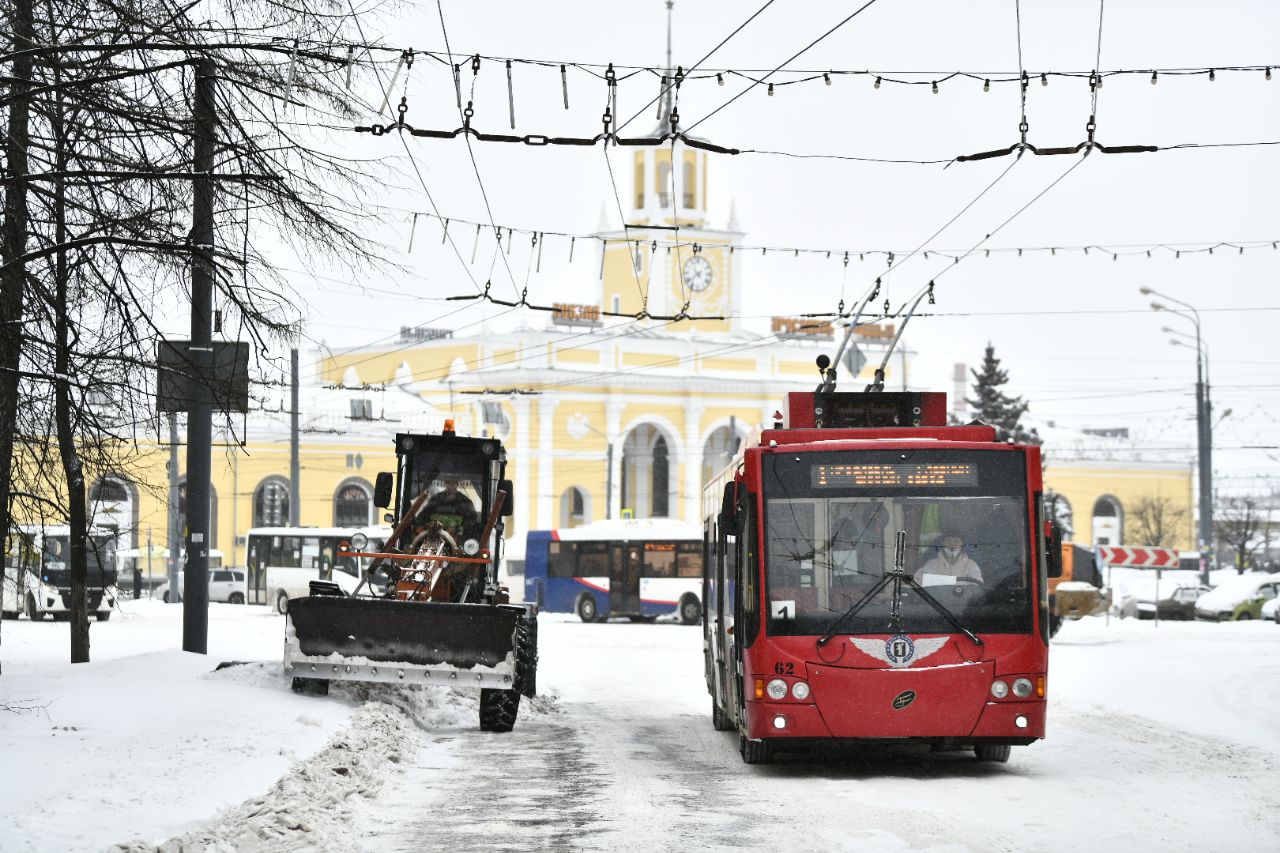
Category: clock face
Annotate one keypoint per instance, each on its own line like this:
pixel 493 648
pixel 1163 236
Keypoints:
pixel 697 273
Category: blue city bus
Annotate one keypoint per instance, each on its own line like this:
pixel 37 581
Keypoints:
pixel 639 569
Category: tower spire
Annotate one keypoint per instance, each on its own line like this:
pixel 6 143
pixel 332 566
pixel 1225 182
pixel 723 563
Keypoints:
pixel 668 97
pixel 670 4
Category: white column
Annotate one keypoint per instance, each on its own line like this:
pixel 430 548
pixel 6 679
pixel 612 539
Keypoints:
pixel 546 464
pixel 690 505
pixel 613 429
pixel 521 472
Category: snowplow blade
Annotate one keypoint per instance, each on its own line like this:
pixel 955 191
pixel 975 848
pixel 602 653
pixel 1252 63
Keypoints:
pixel 371 639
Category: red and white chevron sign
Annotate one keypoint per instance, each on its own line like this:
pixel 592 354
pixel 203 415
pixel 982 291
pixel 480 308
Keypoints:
pixel 1139 556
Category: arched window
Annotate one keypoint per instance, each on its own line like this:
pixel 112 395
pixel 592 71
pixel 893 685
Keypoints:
pixel 573 508
pixel 690 184
pixel 1108 521
pixel 664 183
pixel 639 181
pixel 646 473
pixel 352 504
pixel 109 490
pixel 271 503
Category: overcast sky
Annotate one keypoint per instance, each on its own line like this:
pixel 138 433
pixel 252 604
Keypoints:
pixel 1078 339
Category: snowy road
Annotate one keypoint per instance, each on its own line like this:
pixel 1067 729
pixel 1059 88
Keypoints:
pixel 626 759
pixel 1158 738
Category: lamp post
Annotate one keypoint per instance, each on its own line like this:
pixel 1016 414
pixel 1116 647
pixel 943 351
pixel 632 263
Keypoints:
pixel 1204 437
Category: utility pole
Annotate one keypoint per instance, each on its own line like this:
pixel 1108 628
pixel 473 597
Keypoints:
pixel 195 598
pixel 608 482
pixel 295 493
pixel 175 530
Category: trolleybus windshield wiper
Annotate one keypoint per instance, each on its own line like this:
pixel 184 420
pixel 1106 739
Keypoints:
pixel 898 577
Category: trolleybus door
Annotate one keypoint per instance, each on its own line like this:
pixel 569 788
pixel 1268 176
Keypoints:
pixel 624 578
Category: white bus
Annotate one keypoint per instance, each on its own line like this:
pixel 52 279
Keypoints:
pixel 282 561
pixel 37 574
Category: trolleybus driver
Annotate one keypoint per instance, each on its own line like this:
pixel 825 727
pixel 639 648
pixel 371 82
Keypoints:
pixel 950 561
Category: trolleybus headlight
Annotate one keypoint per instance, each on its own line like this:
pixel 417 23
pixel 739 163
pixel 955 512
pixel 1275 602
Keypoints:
pixel 777 689
pixel 999 689
pixel 359 541
pixel 471 547
pixel 779 722
pixel 800 690
pixel 1022 688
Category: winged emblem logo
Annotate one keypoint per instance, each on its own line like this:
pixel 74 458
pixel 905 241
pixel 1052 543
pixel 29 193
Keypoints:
pixel 899 650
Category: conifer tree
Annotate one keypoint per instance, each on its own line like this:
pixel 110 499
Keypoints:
pixel 992 406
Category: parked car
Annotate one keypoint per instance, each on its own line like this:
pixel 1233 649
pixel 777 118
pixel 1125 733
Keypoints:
pixel 1240 597
pixel 224 585
pixel 1271 610
pixel 1175 603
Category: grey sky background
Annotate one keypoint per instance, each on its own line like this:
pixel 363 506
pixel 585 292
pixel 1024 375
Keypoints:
pixel 1078 339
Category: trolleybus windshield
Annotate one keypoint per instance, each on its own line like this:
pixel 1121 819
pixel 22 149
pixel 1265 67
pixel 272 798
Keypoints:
pixel 831 520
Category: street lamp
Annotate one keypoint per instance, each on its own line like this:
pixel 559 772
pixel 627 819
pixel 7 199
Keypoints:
pixel 1204 434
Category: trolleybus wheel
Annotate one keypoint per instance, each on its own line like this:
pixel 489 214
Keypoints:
pixel 999 753
pixel 690 610
pixel 719 719
pixel 32 612
pixel 755 751
pixel 586 608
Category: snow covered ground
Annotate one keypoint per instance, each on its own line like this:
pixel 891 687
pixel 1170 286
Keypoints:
pixel 1158 738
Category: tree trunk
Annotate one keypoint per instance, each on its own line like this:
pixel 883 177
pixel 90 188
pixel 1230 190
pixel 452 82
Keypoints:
pixel 73 469
pixel 13 243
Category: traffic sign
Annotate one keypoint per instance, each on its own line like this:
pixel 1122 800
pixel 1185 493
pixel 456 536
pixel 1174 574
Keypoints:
pixel 1139 556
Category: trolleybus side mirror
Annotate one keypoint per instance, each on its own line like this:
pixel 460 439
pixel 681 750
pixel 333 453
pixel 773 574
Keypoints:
pixel 382 490
pixel 729 505
pixel 1053 549
pixel 508 502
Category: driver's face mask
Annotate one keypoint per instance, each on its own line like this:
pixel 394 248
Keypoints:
pixel 952 554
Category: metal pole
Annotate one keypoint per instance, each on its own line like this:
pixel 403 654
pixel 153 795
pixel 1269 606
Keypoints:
pixel 195 596
pixel 149 586
pixel 608 485
pixel 176 531
pixel 295 496
pixel 1206 474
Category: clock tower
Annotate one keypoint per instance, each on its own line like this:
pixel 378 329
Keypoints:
pixel 668 259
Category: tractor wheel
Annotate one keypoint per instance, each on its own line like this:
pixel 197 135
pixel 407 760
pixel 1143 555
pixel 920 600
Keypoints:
pixel 690 610
pixel 997 753
pixel 755 751
pixel 498 708
pixel 311 686
pixel 282 602
pixel 586 608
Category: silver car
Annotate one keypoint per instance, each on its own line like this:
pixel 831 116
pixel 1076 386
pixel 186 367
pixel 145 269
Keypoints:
pixel 224 585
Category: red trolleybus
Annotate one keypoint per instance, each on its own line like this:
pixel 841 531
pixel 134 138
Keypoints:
pixel 875 575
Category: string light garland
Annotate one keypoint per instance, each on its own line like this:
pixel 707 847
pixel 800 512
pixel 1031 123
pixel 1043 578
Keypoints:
pixel 797 76
pixel 1110 250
